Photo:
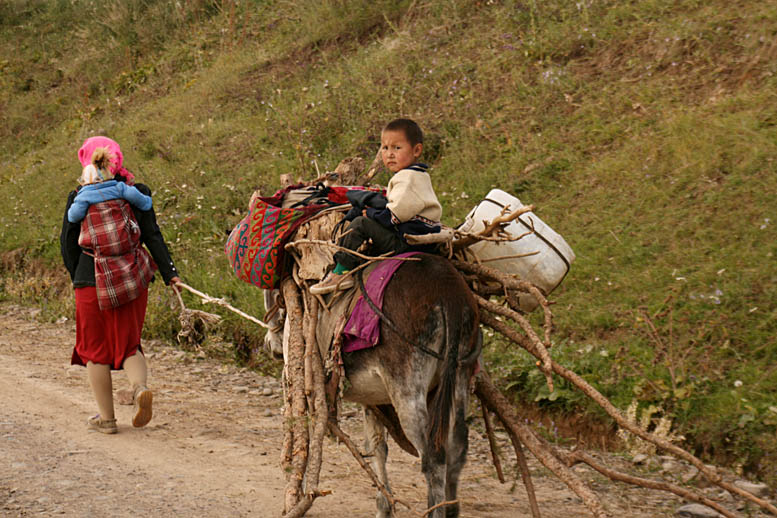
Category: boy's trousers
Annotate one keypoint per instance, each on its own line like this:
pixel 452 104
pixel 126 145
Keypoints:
pixel 361 229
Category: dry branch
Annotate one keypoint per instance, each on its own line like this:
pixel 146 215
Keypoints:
pixel 490 228
pixel 295 379
pixel 580 456
pixel 329 244
pixel 207 299
pixel 498 404
pixel 523 467
pixel 435 507
pixel 345 173
pixel 345 439
pixel 492 443
pixel 445 235
pixel 503 257
pixel 320 408
pixel 542 352
pixel 309 332
pixel 500 237
pixel 286 180
pixel 314 389
pixel 509 282
pixel 370 174
pixel 665 445
pixel 193 322
pixel 613 412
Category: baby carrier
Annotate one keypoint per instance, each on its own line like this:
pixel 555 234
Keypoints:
pixel 122 267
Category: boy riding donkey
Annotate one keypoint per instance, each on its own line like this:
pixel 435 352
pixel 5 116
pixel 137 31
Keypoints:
pixel 412 207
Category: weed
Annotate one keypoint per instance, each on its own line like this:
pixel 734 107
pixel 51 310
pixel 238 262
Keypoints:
pixel 660 427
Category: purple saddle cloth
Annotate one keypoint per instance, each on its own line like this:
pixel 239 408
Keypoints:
pixel 363 327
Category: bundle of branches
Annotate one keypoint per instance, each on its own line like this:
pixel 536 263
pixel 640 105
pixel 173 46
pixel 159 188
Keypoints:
pixel 306 412
pixel 194 323
pixel 506 318
pixel 309 415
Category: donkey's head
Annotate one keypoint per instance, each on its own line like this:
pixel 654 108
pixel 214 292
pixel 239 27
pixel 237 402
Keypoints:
pixel 273 339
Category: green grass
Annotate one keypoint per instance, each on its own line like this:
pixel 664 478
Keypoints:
pixel 645 133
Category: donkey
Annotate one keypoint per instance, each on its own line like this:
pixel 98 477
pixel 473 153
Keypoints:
pixel 418 374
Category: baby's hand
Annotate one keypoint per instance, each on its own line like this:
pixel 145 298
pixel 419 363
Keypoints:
pixel 254 196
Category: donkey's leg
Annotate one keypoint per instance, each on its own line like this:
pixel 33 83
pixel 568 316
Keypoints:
pixel 376 447
pixel 458 442
pixel 414 417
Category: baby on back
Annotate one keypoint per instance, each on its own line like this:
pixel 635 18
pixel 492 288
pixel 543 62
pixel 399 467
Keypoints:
pixel 98 185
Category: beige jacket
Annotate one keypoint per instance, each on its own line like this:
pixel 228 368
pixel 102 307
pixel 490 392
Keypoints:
pixel 410 194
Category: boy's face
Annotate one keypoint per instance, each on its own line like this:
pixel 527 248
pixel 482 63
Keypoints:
pixel 396 151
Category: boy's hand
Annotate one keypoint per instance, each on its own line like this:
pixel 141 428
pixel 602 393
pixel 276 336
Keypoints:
pixel 364 213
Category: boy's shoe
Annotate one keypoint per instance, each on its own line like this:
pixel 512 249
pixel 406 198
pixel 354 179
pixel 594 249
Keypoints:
pixel 102 425
pixel 333 281
pixel 143 400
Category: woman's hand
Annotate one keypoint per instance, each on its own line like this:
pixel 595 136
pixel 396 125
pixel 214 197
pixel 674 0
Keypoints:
pixel 175 280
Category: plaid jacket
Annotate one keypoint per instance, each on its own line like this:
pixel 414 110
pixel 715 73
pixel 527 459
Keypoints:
pixel 122 268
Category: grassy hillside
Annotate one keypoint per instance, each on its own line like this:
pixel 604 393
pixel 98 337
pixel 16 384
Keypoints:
pixel 645 132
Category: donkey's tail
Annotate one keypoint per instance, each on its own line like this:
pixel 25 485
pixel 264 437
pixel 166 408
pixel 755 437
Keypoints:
pixel 442 401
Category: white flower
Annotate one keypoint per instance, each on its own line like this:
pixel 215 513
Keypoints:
pixel 738 383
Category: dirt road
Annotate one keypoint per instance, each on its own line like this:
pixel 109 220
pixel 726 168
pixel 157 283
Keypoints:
pixel 212 448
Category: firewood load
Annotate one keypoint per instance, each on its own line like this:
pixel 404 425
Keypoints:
pixel 310 407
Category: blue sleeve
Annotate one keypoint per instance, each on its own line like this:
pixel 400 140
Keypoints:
pixel 382 216
pixel 77 210
pixel 134 196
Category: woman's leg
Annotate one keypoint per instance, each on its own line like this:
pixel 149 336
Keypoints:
pixel 137 373
pixel 102 387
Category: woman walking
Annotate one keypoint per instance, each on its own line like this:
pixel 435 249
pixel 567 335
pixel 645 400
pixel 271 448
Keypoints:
pixel 111 270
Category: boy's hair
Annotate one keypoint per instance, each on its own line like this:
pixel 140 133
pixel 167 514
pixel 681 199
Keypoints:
pixel 409 127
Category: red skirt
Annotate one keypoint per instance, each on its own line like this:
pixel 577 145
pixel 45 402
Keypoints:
pixel 108 336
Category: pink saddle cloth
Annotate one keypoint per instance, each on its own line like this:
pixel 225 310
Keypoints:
pixel 363 327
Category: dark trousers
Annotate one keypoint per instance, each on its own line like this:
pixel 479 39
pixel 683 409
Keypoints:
pixel 361 229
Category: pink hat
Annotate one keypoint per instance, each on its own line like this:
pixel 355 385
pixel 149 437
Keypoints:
pixel 92 143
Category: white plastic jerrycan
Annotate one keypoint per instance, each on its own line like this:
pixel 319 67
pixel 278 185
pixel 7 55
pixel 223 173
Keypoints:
pixel 544 255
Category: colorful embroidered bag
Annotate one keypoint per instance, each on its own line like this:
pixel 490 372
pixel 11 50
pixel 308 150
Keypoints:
pixel 254 248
